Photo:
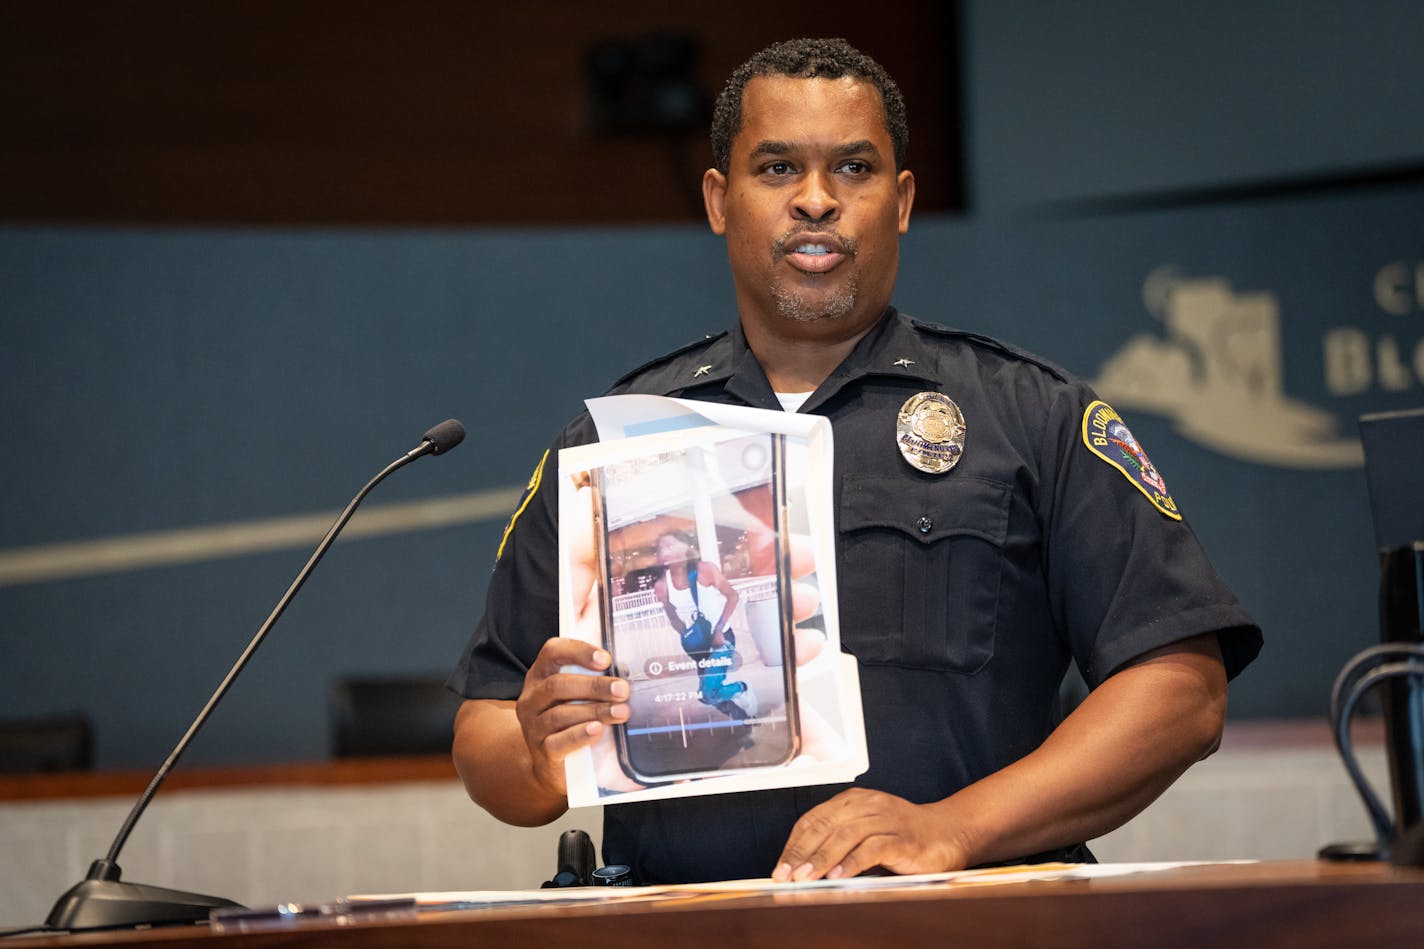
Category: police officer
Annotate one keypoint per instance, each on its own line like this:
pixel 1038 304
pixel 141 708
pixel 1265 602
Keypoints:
pixel 994 519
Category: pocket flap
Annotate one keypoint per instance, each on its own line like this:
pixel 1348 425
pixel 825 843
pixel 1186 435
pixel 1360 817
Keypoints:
pixel 927 510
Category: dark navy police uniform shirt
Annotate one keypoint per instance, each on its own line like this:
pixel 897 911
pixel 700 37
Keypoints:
pixel 963 595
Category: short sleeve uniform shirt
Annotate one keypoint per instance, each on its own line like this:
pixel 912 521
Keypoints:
pixel 963 595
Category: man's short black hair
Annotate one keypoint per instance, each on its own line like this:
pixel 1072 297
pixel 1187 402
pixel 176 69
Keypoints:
pixel 806 59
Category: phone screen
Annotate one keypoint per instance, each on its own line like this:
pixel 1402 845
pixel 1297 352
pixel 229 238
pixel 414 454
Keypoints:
pixel 693 567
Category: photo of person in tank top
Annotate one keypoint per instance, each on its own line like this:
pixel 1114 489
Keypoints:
pixel 691 591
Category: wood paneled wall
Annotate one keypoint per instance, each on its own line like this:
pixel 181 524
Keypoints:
pixel 352 112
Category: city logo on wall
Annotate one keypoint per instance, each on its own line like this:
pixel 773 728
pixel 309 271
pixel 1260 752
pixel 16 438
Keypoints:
pixel 1215 369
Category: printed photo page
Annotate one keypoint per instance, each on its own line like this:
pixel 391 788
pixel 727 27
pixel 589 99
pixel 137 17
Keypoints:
pixel 696 545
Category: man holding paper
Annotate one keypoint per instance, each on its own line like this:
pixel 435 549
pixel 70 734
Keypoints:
pixel 994 520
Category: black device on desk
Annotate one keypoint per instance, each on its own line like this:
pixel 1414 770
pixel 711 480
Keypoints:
pixel 577 863
pixel 1394 470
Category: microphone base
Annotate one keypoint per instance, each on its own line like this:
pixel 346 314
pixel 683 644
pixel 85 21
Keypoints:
pixel 1360 852
pixel 113 904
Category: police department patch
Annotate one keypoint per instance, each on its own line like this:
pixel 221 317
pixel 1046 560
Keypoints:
pixel 1108 437
pixel 529 491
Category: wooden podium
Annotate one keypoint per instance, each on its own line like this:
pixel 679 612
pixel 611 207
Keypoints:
pixel 1299 904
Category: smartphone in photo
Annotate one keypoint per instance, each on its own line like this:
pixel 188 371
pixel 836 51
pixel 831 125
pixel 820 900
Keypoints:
pixel 694 583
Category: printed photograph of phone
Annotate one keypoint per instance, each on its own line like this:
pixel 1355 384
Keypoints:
pixel 694 583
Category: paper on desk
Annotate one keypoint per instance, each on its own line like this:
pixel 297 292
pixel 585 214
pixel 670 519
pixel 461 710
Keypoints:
pixel 1019 873
pixel 486 899
pixel 1013 874
pixel 642 433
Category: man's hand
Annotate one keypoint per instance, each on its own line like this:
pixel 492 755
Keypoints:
pixel 561 711
pixel 510 754
pixel 860 829
pixel 1127 741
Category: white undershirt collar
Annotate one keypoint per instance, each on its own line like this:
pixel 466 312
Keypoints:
pixel 792 401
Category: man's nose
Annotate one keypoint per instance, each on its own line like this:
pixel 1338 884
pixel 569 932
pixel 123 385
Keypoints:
pixel 816 199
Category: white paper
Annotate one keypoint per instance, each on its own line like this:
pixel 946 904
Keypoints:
pixel 1018 873
pixel 1023 873
pixel 481 899
pixel 636 428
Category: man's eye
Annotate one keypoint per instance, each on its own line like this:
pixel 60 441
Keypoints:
pixel 855 167
pixel 779 168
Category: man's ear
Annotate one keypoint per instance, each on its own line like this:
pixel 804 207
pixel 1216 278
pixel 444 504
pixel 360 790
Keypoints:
pixel 905 195
pixel 714 197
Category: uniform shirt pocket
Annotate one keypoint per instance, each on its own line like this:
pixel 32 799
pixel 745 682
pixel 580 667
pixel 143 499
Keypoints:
pixel 920 569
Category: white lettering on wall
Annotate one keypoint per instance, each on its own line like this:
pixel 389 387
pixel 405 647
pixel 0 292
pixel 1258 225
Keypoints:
pixel 1396 292
pixel 1355 363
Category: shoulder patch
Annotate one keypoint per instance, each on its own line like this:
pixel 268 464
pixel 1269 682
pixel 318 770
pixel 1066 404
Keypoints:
pixel 1108 437
pixel 530 489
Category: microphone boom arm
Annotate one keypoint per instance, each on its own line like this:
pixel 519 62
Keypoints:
pixel 100 900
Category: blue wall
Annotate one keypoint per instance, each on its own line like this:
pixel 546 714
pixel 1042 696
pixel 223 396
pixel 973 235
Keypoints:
pixel 167 380
pixel 1073 101
pixel 157 381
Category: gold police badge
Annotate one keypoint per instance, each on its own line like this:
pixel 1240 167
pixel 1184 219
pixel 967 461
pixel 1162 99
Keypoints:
pixel 930 432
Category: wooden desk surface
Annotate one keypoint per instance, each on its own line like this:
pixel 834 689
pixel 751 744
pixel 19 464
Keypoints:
pixel 1299 904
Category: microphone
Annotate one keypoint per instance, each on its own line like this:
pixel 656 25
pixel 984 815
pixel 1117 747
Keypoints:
pixel 101 900
pixel 442 437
